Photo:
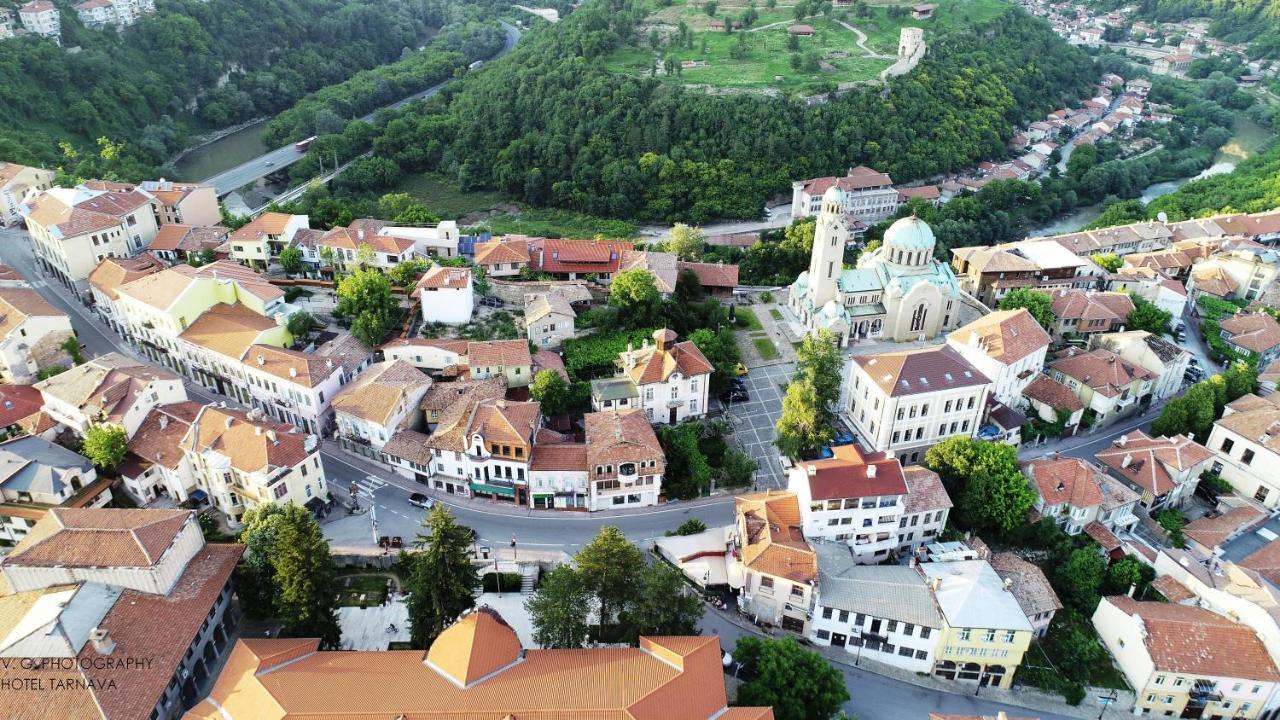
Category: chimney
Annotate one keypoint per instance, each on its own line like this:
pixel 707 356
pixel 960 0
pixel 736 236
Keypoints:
pixel 360 234
pixel 973 339
pixel 1128 458
pixel 230 420
pixel 935 584
pixel 813 470
pixel 1008 584
pixel 257 429
pixel 293 372
pixel 1122 440
pixel 164 421
pixel 1132 589
pixel 102 642
pixel 871 471
pixel 1002 715
pixel 271 435
pixel 261 360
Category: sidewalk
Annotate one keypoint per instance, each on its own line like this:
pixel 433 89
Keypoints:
pixel 1019 696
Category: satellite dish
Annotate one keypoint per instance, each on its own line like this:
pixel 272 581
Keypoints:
pixel 1162 217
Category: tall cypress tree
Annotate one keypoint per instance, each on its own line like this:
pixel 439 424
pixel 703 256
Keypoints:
pixel 442 579
pixel 307 601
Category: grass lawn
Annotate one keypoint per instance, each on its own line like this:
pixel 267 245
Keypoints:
pixel 373 587
pixel 558 224
pixel 748 319
pixel 441 195
pixel 882 30
pixel 776 313
pixel 766 349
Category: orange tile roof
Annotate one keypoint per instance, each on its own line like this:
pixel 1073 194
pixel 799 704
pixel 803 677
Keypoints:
pixel 229 330
pixel 252 445
pixel 577 256
pixel 773 542
pixel 268 223
pixel 1052 393
pixel 504 353
pixel 925 491
pixel 712 275
pixel 666 678
pixel 502 250
pixel 1214 531
pixel 655 363
pixel 158 439
pixel 852 473
pixel 19 303
pixel 18 402
pixel 107 385
pixel 441 277
pixel 907 372
pixel 1102 370
pixel 504 421
pixel 1173 590
pixel 1114 307
pixel 457 402
pixel 562 457
pixel 1148 458
pixel 1265 561
pixel 1185 639
pixel 292 366
pixel 112 273
pixel 351 238
pixel 1257 332
pixel 620 436
pixel 1065 480
pixel 96 537
pixel 1006 335
pixel 378 391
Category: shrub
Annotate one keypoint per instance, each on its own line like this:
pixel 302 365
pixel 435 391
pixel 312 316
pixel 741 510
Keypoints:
pixel 510 582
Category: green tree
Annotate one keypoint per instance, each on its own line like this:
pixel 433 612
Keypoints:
pixel 1173 419
pixel 663 605
pixel 365 297
pixel 993 494
pixel 1123 574
pixel 686 242
pixel 550 389
pixel 1200 399
pixel 818 361
pixel 442 579
pixel 300 324
pixel 688 290
pixel 721 350
pixel 710 7
pixel 71 346
pixel 1241 379
pixel 686 473
pixel 406 272
pixel 635 295
pixel 797 683
pixel 1146 315
pixel 291 260
pixel 106 446
pixel 255 584
pixel 306 579
pixel 1037 303
pixel 801 427
pixel 1079 579
pixel 558 609
pixel 1108 261
pixel 365 255
pixel 692 526
pixel 610 567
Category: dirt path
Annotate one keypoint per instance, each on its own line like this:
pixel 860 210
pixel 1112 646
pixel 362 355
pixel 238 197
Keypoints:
pixel 862 42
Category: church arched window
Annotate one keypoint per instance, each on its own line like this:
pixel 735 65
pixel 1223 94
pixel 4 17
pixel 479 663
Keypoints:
pixel 918 317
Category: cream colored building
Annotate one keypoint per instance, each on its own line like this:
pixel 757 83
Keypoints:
pixel 1186 661
pixel 1106 383
pixel 985 632
pixel 772 565
pixel 179 203
pixel 1008 346
pixel 1166 362
pixel 380 402
pixel 548 319
pixel 1246 445
pixel 31 335
pixel 74 229
pixel 906 401
pixel 672 378
pixel 15 182
pixel 261 240
pixel 898 292
pixel 243 459
pixel 111 389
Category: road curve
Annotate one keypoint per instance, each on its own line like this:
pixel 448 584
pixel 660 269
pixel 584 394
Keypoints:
pixel 283 157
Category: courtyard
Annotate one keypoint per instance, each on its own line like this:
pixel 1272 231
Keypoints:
pixel 755 419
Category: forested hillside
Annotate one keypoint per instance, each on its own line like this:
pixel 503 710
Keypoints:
pixel 195 66
pixel 1256 22
pixel 551 126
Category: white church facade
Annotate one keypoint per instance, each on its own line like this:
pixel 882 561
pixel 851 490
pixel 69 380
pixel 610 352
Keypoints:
pixel 897 292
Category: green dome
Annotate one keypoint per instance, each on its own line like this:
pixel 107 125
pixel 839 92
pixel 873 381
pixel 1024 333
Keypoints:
pixel 909 233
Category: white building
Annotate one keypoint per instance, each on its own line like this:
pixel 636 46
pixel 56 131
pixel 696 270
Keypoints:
pixel 772 565
pixel 74 229
pixel 1187 661
pixel 31 334
pixel 18 180
pixel 156 466
pixel 447 295
pixel 904 402
pixel 385 250
pixel 1074 492
pixel 1163 470
pixel 672 378
pixel 1164 360
pixel 292 386
pixel 866 194
pixel 885 613
pixel 1008 346
pixel 380 402
pixel 438 241
pixel 548 319
pixel 925 509
pixel 242 460
pixel 1246 447
pixel 111 389
pixel 41 17
pixel 898 291
pixel 853 498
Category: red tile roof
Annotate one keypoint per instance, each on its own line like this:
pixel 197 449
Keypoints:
pixel 1192 640
pixel 1149 459
pixel 94 537
pixel 853 474
pixel 1052 393
pixel 908 372
pixel 712 275
pixel 577 256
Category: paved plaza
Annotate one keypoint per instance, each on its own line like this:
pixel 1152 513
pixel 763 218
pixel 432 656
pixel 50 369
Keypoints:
pixel 755 419
pixel 366 628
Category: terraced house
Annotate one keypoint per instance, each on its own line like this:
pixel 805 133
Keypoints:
pixel 379 403
pixel 242 459
pixel 1107 384
pixel 984 632
pixel 774 567
pixel 74 229
pixel 31 334
pixel 108 389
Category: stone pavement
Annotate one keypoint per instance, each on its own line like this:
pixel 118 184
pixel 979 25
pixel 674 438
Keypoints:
pixel 366 628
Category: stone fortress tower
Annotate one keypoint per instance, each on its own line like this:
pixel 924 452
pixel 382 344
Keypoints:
pixel 910 41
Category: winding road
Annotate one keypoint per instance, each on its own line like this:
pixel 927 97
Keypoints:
pixel 282 157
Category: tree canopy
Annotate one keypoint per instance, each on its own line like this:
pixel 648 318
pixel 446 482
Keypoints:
pixel 365 297
pixel 442 579
pixel 1146 315
pixel 799 684
pixel 1037 303
pixel 106 444
pixel 992 493
pixel 290 566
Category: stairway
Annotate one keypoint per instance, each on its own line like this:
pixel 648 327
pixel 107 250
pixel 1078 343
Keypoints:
pixel 528 578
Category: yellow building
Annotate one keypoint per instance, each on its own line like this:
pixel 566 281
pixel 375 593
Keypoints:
pixel 264 237
pixel 1186 661
pixel 984 633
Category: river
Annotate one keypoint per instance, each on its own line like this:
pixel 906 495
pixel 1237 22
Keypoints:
pixel 1248 138
pixel 223 154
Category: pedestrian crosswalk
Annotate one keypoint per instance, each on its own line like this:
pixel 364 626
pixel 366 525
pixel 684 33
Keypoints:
pixel 368 485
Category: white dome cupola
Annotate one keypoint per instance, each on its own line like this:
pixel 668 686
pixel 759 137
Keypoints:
pixel 909 241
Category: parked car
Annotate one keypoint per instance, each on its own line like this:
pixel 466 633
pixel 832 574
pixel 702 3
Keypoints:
pixel 734 394
pixel 491 301
pixel 740 370
pixel 737 383
pixel 422 501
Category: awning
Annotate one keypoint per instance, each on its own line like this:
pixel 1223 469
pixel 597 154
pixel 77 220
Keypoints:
pixel 493 489
pixel 199 495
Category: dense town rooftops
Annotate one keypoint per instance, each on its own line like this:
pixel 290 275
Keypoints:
pixel 657 362
pixel 1052 393
pixel 74 537
pixel 1005 335
pixel 158 440
pixel 112 273
pixel 1145 460
pixel 251 444
pixel 1256 332
pixel 1104 371
pixel 380 390
pixel 106 386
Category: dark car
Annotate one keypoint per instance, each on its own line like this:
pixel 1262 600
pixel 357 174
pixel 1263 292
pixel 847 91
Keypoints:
pixel 491 301
pixel 734 394
pixel 420 500
pixel 843 435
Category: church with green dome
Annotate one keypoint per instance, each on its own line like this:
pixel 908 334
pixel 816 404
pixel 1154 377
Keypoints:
pixel 898 292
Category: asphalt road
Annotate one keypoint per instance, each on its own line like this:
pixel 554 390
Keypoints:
pixel 283 157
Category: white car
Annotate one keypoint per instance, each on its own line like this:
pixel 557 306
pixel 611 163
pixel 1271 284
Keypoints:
pixel 422 501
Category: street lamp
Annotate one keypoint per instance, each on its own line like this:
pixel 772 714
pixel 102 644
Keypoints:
pixel 1106 701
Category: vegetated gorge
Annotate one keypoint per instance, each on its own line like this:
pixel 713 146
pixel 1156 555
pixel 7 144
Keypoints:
pixel 119 105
